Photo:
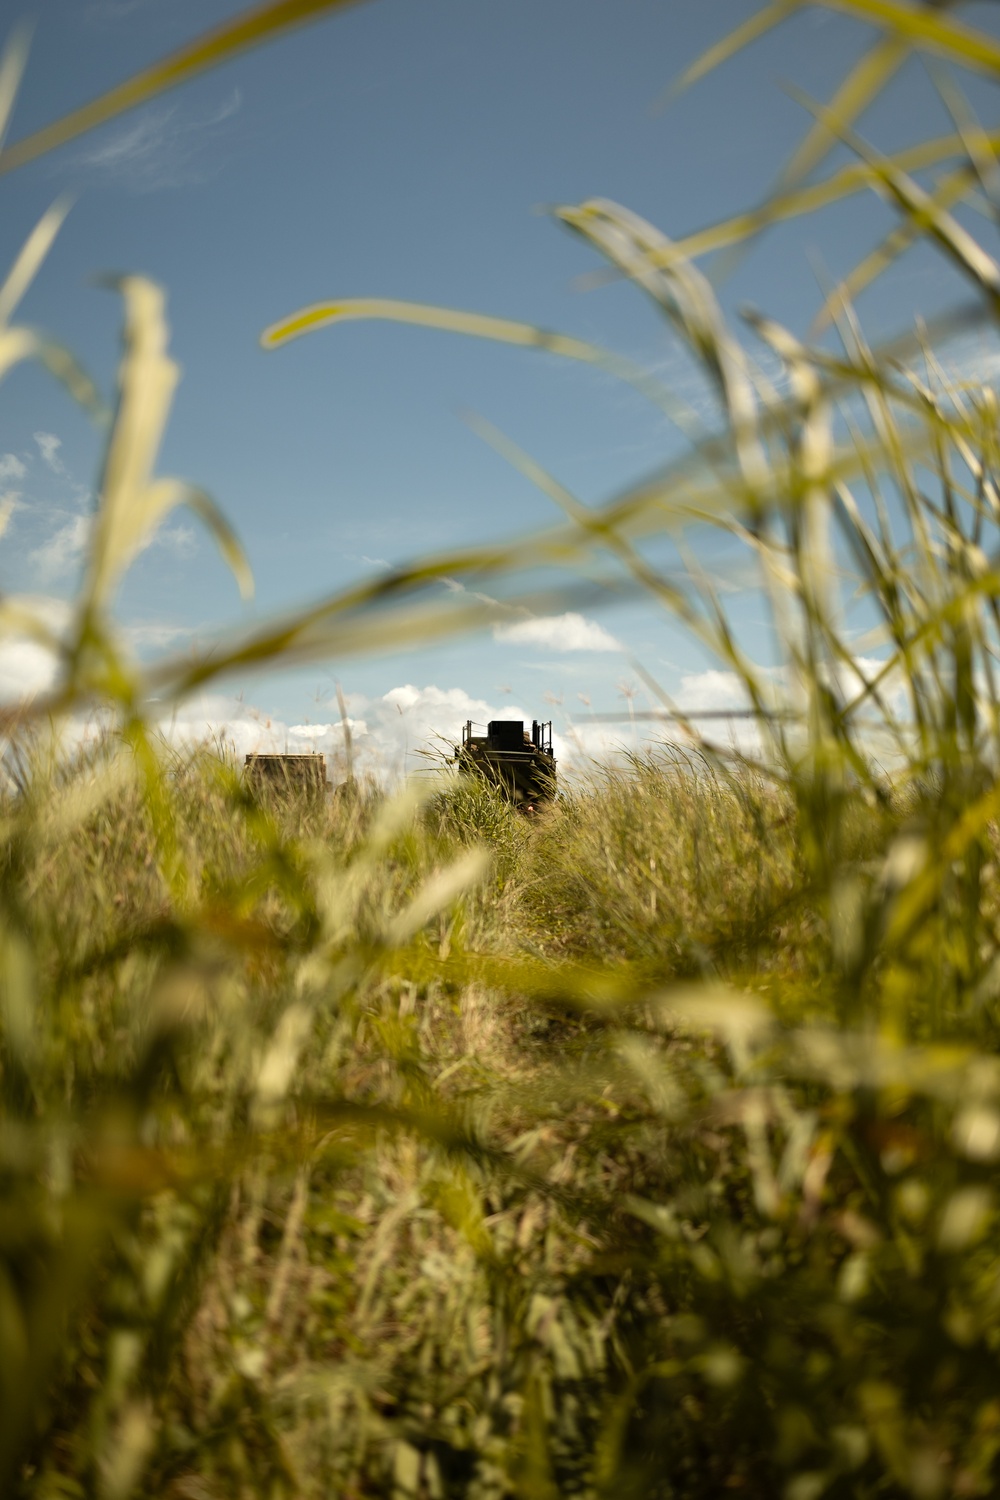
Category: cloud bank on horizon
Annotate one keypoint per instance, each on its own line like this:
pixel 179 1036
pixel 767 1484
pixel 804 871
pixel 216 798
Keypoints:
pixel 405 730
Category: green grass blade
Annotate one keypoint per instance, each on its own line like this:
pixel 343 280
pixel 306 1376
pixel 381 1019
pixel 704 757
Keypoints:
pixel 228 543
pixel 927 28
pixel 686 297
pixel 147 380
pixel 132 503
pixel 975 137
pixel 864 83
pixel 757 25
pixel 13 61
pixel 18 344
pixel 921 209
pixel 948 192
pixel 844 183
pixel 30 257
pixel 478 325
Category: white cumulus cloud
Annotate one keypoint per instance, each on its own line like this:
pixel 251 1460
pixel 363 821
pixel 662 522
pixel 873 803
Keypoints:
pixel 26 669
pixel 312 731
pixel 568 632
pixel 711 689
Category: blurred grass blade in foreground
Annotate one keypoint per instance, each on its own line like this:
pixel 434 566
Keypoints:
pixel 477 325
pixel 132 503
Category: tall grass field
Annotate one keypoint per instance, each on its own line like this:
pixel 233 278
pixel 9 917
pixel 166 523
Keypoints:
pixel 398 1145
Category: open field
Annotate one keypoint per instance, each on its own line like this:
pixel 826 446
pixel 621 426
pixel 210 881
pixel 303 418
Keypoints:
pixel 574 1184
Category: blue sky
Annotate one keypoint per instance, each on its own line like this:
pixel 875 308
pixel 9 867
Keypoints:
pixel 408 151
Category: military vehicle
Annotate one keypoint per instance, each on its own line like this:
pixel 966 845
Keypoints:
pixel 286 774
pixel 521 765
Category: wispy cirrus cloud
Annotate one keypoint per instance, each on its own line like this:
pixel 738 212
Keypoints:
pixel 62 552
pixel 48 447
pixel 163 148
pixel 156 635
pixel 180 539
pixel 11 467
